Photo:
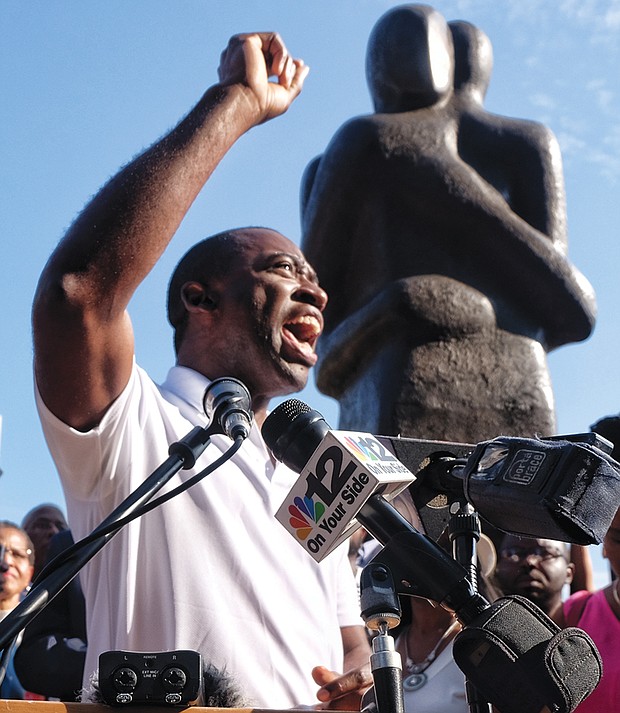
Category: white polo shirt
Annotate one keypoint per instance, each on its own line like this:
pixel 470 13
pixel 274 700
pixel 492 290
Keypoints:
pixel 211 570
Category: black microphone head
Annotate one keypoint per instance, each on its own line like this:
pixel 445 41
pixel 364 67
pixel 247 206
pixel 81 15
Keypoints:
pixel 292 432
pixel 227 404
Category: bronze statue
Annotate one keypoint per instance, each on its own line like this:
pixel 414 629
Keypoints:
pixel 438 230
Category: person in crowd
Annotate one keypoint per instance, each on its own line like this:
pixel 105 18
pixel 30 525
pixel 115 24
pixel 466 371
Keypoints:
pixel 598 614
pixel 609 428
pixel 42 523
pixel 432 682
pixel 537 569
pixel 210 570
pixel 50 659
pixel 16 568
pixel 583 572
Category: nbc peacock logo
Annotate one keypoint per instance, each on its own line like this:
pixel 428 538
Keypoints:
pixel 303 513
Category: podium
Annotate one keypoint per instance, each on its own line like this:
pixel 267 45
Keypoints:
pixel 10 706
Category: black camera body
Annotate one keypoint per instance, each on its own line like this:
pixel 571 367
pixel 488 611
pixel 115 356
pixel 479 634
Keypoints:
pixel 139 678
pixel 563 487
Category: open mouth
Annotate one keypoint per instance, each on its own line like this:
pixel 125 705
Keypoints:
pixel 300 335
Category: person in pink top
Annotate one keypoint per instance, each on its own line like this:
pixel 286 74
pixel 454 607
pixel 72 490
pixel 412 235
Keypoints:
pixel 598 614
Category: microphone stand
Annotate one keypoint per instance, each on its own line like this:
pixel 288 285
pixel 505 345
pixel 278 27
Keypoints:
pixel 430 571
pixel 183 454
pixel 420 566
pixel 464 532
pixel 381 612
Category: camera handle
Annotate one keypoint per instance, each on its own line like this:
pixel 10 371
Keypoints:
pixel 464 532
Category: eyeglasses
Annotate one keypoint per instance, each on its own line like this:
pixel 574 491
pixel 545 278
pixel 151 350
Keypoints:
pixel 516 554
pixel 17 554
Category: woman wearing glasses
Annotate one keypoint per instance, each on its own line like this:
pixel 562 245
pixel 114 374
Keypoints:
pixel 16 568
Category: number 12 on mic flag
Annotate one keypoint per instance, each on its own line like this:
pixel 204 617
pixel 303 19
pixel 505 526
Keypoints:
pixel 343 472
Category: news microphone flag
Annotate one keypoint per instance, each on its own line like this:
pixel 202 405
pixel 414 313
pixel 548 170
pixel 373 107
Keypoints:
pixel 346 468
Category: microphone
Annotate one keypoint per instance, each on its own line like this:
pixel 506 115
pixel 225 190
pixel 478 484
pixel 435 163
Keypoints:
pixel 513 653
pixel 340 470
pixel 347 479
pixel 227 404
pixel 517 658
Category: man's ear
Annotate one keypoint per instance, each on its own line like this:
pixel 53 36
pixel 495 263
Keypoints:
pixel 570 573
pixel 197 296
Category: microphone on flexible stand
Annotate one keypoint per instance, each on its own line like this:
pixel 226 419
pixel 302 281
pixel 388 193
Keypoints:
pixel 228 406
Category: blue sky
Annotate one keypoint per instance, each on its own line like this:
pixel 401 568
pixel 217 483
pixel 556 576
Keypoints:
pixel 86 84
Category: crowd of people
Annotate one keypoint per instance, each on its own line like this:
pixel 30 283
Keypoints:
pixel 211 570
pixel 36 665
pixel 46 661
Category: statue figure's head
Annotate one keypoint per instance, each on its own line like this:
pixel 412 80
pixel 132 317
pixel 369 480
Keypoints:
pixel 410 59
pixel 473 60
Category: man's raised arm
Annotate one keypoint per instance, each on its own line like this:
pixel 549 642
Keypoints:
pixel 83 339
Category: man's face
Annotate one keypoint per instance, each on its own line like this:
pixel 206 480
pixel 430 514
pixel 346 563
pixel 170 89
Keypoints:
pixel 15 567
pixel 534 568
pixel 42 525
pixel 270 315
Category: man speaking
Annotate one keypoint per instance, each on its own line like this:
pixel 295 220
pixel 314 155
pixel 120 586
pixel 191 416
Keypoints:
pixel 211 570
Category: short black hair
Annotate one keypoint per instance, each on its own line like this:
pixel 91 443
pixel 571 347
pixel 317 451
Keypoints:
pixel 609 428
pixel 207 260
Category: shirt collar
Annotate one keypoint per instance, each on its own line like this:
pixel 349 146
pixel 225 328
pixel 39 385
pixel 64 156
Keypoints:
pixel 185 388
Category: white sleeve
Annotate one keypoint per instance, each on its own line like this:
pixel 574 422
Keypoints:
pixel 90 462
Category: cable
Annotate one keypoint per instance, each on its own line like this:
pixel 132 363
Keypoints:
pixel 117 525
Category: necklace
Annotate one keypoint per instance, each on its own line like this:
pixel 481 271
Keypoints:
pixel 417 678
